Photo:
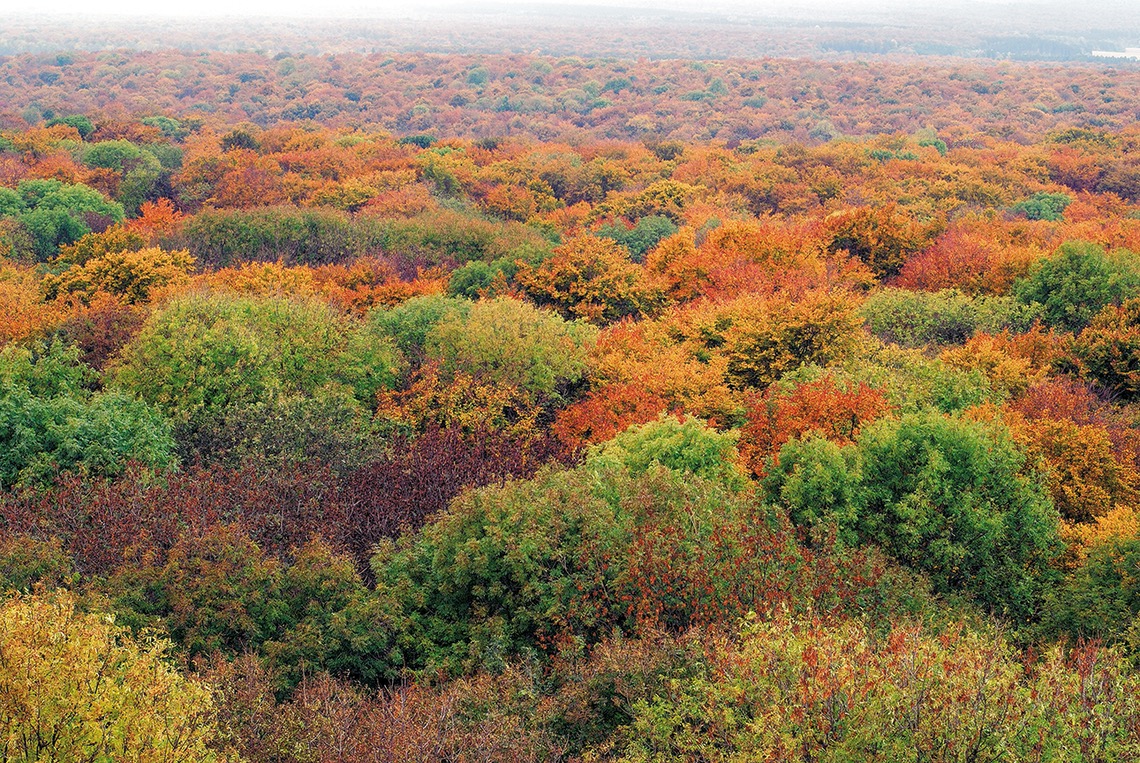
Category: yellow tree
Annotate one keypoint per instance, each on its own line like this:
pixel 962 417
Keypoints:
pixel 590 278
pixel 76 687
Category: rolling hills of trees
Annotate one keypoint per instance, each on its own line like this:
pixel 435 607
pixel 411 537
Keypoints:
pixel 517 409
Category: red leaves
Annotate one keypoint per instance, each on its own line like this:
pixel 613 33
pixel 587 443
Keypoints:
pixel 101 522
pixel 819 406
pixel 605 412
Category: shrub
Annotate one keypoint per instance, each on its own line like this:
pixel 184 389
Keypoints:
pixel 1077 282
pixel 200 356
pixel 51 422
pixel 917 319
pixel 74 686
pixel 941 494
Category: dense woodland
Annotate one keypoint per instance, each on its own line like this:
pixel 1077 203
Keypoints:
pixel 428 408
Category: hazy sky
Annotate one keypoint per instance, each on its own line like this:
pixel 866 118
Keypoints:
pixel 317 8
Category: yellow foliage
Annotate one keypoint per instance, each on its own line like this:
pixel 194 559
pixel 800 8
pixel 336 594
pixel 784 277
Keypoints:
pixel 24 313
pixel 264 279
pixel 677 370
pixel 462 402
pixel 130 275
pixel 1084 476
pixel 1009 374
pixel 590 278
pixel 75 687
pixel 766 339
pixel 1121 522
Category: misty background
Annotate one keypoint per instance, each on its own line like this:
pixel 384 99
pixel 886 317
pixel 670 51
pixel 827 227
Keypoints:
pixel 1050 30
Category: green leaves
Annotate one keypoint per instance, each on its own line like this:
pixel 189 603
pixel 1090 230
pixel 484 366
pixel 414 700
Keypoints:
pixel 1077 281
pixel 504 341
pixel 203 355
pixel 685 447
pixel 55 213
pixel 944 495
pixel 51 422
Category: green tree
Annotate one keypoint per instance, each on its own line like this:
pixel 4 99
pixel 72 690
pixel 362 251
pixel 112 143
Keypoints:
pixel 1077 281
pixel 51 422
pixel 947 496
pixel 201 355
pixel 1043 206
pixel 505 341
pixel 55 213
pixel 219 592
pixel 1101 598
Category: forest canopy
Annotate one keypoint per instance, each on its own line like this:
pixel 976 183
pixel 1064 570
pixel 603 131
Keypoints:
pixel 519 408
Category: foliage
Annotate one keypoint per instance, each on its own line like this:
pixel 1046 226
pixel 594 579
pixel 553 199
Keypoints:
pixel 49 421
pixel 1043 206
pixel 592 279
pixel 1076 282
pixel 785 411
pixel 1109 348
pixel 56 213
pixel 571 555
pixel 643 236
pixel 505 341
pixel 944 495
pixel 410 322
pixel 795 691
pixel 915 318
pixel 200 355
pixel 683 446
pixel 220 592
pixel 883 238
pixel 1100 599
pixel 132 276
pixel 74 686
pixel 768 339
pixel 605 412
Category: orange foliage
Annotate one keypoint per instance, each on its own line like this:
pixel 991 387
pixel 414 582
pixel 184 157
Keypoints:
pixel 407 201
pixel 590 278
pixel 1120 522
pixel 433 400
pixel 882 237
pixel 1084 475
pixel 156 219
pixel 974 255
pixel 1009 372
pixel 24 313
pixel 820 407
pixel 678 370
pixel 371 282
pixel 606 412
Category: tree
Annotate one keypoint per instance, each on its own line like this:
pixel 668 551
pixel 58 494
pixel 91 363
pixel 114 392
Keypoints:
pixel 590 278
pixel 133 276
pixel 56 213
pixel 200 356
pixel 75 686
pixel 1109 348
pixel 1076 282
pixel 944 495
pixel 505 341
pixel 881 237
pixel 768 339
pixel 136 169
pixel 51 422
pixel 1043 206
pixel 837 412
